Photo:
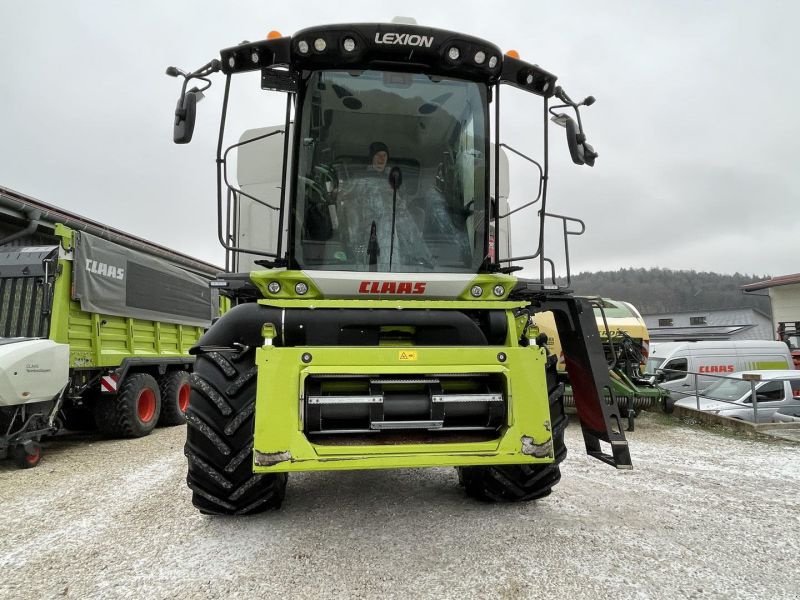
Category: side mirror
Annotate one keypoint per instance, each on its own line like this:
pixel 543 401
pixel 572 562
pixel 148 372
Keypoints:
pixel 660 376
pixel 580 152
pixel 185 114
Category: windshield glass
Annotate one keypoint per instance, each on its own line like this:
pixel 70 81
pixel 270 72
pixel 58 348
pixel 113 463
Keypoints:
pixel 727 389
pixel 356 129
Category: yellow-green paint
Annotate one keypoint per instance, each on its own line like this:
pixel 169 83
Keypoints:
pixel 288 280
pixel 767 365
pixel 97 340
pixel 66 235
pixel 278 418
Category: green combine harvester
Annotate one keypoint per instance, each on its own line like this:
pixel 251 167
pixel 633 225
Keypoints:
pixel 377 322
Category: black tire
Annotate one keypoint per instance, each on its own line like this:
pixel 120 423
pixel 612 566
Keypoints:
pixel 668 405
pixel 133 412
pixel 520 483
pixel 219 438
pixel 27 457
pixel 175 391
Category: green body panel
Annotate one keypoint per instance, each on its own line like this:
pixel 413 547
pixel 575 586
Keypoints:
pixel 97 340
pixel 279 427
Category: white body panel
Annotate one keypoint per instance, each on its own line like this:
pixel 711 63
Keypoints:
pixel 373 285
pixel 32 370
pixel 258 172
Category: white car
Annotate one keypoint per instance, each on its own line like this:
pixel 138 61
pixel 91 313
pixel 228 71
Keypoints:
pixel 788 414
pixel 730 397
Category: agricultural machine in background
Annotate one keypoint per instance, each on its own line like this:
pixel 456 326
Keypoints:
pixel 626 346
pixel 378 323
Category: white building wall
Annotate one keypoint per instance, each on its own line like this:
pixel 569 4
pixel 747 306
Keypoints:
pixel 785 303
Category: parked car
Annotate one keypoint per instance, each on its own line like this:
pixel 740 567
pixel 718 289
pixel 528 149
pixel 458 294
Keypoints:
pixel 673 363
pixel 730 397
pixel 787 414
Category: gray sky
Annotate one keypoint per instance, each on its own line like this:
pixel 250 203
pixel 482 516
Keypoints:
pixel 694 120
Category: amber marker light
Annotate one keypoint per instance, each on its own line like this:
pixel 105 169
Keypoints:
pixel 274 35
pixel 513 54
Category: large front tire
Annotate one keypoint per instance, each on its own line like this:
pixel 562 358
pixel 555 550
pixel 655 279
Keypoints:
pixel 219 438
pixel 521 483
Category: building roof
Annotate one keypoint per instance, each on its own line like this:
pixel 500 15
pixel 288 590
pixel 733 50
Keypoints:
pixel 708 332
pixel 772 282
pixel 700 311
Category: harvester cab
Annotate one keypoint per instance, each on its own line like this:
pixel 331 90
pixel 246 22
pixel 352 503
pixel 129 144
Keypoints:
pixel 380 324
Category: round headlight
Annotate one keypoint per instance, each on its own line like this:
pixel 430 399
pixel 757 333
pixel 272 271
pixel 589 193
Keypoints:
pixel 480 57
pixel 302 47
pixel 320 45
pixel 493 62
pixel 254 57
pixel 301 288
pixel 231 62
pixel 499 290
pixel 476 291
pixel 529 79
pixel 453 53
pixel 274 287
pixel 349 44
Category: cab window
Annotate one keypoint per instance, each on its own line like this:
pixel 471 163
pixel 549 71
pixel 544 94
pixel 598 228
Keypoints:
pixel 675 369
pixel 771 391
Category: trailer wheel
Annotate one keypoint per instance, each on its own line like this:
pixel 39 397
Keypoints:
pixel 519 483
pixel 134 411
pixel 175 391
pixel 28 455
pixel 219 438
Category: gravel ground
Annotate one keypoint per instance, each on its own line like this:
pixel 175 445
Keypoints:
pixel 702 515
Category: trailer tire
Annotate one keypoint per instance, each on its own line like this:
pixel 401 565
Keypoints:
pixel 521 483
pixel 219 438
pixel 175 392
pixel 28 455
pixel 133 412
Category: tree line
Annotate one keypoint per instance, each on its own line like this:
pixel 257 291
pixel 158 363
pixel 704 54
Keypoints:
pixel 665 290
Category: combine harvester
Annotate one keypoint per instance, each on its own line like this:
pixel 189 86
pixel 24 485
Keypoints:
pixel 95 327
pixel 376 326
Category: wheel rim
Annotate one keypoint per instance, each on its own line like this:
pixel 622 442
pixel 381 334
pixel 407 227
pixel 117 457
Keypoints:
pixel 183 397
pixel 146 405
pixel 33 457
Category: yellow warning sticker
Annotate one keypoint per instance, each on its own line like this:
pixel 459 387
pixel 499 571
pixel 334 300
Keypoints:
pixel 408 355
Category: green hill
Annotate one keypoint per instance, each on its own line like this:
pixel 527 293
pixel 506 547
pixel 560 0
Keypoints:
pixel 664 290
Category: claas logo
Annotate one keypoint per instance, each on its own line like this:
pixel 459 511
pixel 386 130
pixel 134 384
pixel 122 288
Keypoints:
pixel 716 369
pixel 392 287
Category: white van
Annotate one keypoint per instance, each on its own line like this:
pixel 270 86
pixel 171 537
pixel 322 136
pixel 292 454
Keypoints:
pixel 674 363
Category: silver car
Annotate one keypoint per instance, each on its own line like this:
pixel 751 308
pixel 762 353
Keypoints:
pixel 731 397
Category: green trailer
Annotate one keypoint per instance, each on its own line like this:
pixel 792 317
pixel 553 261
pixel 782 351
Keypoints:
pixel 93 332
pixel 379 322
